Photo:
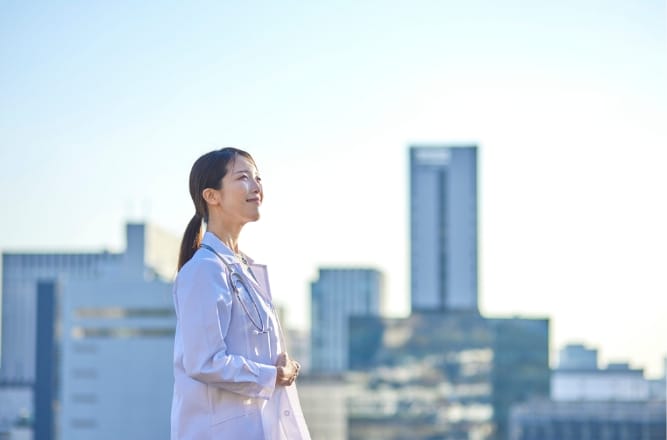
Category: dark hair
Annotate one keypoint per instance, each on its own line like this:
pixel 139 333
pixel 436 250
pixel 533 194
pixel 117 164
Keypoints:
pixel 207 172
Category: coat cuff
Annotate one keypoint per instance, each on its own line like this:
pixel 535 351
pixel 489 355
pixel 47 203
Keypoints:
pixel 267 380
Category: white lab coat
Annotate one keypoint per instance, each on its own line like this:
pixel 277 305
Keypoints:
pixel 224 369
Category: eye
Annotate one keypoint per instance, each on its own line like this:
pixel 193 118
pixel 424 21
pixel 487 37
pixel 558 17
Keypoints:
pixel 258 178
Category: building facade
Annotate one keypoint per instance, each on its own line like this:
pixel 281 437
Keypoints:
pixel 337 295
pixel 612 403
pixel 98 329
pixel 588 420
pixel 323 398
pixel 115 375
pixel 150 253
pixel 449 375
pixel 577 357
pixel 21 272
pixel 443 228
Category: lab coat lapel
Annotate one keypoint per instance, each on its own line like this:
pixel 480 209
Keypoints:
pixel 260 279
pixel 258 273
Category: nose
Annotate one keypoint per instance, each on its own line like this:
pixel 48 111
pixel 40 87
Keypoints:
pixel 257 187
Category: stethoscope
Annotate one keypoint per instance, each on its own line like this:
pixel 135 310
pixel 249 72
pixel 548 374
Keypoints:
pixel 239 284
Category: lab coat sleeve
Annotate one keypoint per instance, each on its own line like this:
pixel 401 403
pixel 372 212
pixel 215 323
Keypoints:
pixel 204 304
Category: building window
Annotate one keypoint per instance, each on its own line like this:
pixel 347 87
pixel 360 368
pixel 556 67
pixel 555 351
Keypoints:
pixel 85 348
pixel 83 423
pixel 85 398
pixel 84 373
pixel 120 332
pixel 120 313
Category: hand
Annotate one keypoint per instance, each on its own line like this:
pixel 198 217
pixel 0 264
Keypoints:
pixel 287 370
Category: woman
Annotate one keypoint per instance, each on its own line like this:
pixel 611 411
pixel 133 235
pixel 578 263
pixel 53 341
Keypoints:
pixel 232 376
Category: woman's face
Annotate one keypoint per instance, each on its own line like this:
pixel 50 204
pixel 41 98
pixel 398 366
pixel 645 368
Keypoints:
pixel 241 191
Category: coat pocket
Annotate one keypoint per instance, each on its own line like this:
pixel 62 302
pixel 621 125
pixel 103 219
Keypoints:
pixel 246 427
pixel 227 405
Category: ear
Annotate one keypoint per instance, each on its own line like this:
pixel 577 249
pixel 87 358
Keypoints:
pixel 211 196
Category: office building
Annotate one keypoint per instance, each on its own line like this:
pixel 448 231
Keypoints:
pixel 337 295
pixel 20 274
pixel 617 382
pixel 150 252
pixel 98 359
pixel 323 399
pixel 616 402
pixel 443 228
pixel 116 375
pixel 577 357
pixel 16 409
pixel 451 375
pixel 520 366
pixel 588 420
pixel 578 378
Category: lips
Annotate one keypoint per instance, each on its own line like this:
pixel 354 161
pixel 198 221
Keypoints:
pixel 254 200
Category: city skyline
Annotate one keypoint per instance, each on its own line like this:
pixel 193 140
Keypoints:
pixel 104 108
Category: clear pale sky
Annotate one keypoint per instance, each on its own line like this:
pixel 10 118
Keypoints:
pixel 104 106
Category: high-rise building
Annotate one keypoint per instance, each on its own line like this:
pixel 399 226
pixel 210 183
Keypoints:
pixel 97 332
pixel 443 228
pixel 116 348
pixel 21 272
pixel 337 295
pixel 150 253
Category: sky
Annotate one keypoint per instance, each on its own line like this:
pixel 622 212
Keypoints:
pixel 104 106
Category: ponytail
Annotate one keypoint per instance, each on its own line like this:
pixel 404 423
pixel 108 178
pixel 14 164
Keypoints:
pixel 191 240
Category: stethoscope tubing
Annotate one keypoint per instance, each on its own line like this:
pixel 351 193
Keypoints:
pixel 262 327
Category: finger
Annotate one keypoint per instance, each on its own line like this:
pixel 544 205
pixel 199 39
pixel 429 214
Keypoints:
pixel 281 360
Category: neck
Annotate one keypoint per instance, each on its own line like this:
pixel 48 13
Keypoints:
pixel 228 234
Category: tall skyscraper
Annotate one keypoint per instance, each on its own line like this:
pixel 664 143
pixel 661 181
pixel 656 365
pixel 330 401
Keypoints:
pixel 443 228
pixel 336 296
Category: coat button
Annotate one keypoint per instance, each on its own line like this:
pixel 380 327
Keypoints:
pixel 286 412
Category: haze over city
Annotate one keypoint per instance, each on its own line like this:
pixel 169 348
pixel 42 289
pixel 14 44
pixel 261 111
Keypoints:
pixel 104 108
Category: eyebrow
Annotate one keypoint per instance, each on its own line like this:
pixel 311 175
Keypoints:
pixel 245 171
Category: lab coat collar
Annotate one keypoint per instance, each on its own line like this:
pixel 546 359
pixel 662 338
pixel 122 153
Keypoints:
pixel 258 272
pixel 212 240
